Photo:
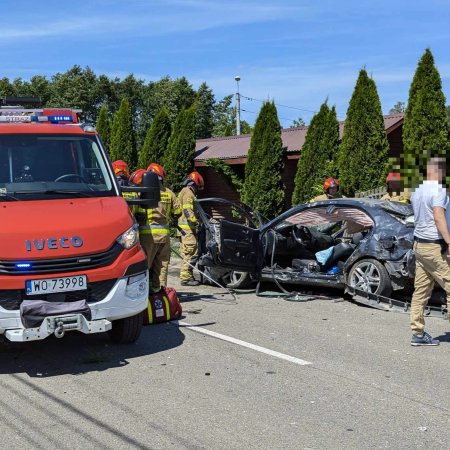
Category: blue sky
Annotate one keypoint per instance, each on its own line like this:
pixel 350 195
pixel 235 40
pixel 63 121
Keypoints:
pixel 297 52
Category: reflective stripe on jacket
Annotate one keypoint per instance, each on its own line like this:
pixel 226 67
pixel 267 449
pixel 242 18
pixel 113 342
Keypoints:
pixel 131 195
pixel 158 219
pixel 188 219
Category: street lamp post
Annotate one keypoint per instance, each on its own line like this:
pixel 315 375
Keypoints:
pixel 238 107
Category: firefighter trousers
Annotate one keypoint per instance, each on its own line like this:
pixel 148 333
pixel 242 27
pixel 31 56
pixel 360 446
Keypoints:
pixel 158 258
pixel 188 253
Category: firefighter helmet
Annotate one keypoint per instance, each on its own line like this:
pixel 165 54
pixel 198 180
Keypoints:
pixel 136 176
pixel 194 178
pixel 329 183
pixel 392 176
pixel 158 170
pixel 120 168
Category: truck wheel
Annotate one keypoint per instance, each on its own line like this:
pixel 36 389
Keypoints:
pixel 126 331
pixel 369 275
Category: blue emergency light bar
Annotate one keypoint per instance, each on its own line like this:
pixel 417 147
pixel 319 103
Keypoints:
pixel 27 119
pixel 54 115
pixel 23 265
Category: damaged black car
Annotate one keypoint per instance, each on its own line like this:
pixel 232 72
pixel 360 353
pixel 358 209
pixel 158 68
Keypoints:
pixel 360 245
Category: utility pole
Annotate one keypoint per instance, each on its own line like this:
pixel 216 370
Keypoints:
pixel 238 107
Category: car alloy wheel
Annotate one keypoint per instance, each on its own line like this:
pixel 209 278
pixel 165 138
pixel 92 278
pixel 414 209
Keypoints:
pixel 369 275
pixel 236 279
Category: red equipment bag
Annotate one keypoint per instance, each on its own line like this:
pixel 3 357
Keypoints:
pixel 163 305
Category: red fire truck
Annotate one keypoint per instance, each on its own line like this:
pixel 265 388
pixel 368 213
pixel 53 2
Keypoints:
pixel 70 257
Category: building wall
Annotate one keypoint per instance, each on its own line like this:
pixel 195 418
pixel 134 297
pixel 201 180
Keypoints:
pixel 216 185
pixel 288 177
pixel 395 142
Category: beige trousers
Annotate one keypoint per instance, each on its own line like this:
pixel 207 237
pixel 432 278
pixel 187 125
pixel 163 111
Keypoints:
pixel 431 266
pixel 158 259
pixel 188 253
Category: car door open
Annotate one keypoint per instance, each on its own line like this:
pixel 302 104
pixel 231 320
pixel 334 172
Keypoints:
pixel 240 247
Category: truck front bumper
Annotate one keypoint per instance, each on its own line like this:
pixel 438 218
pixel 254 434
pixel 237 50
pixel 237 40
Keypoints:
pixel 58 326
pixel 128 297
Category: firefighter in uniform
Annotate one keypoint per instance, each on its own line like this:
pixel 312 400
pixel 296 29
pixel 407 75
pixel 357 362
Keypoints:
pixel 395 191
pixel 331 190
pixel 123 178
pixel 187 224
pixel 154 233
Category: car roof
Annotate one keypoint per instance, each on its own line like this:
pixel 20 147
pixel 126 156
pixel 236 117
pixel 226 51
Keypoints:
pixel 397 208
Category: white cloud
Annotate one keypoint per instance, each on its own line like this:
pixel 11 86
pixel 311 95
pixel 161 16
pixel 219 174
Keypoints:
pixel 146 19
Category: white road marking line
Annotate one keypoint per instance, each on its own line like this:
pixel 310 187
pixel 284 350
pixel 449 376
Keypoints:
pixel 257 348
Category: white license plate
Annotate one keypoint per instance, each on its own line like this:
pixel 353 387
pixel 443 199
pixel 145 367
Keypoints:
pixel 51 285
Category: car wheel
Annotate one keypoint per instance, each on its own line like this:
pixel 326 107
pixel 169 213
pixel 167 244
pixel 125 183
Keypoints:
pixel 126 331
pixel 369 275
pixel 236 280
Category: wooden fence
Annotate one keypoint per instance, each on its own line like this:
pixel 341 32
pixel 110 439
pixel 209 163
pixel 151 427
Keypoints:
pixel 372 193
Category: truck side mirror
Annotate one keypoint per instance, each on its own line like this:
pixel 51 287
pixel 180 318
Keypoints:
pixel 149 192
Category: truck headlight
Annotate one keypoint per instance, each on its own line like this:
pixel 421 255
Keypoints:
pixel 137 285
pixel 130 238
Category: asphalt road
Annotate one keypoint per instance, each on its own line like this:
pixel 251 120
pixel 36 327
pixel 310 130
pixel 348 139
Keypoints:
pixel 364 387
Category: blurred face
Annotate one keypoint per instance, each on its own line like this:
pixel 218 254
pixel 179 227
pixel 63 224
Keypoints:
pixel 436 169
pixel 394 186
pixel 332 191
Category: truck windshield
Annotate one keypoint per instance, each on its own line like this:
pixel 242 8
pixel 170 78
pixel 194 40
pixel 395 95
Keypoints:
pixel 35 167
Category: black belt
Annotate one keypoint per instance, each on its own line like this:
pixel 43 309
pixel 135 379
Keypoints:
pixel 429 241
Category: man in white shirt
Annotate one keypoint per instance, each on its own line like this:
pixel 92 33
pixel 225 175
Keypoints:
pixel 431 247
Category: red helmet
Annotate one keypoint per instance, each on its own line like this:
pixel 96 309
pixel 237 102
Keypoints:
pixel 120 168
pixel 158 169
pixel 196 178
pixel 136 176
pixel 393 176
pixel 329 183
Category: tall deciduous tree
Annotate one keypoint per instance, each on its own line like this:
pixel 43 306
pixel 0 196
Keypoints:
pixel 318 156
pixel 363 159
pixel 399 107
pixel 204 106
pixel 298 123
pixel 425 128
pixel 156 141
pixel 76 88
pixel 104 126
pixel 123 144
pixel 6 88
pixel 225 119
pixel 179 158
pixel 263 187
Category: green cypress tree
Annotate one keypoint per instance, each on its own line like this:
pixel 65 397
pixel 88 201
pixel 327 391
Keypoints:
pixel 364 152
pixel 179 158
pixel 112 134
pixel 263 188
pixel 425 132
pixel 205 111
pixel 104 126
pixel 317 159
pixel 123 141
pixel 156 141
